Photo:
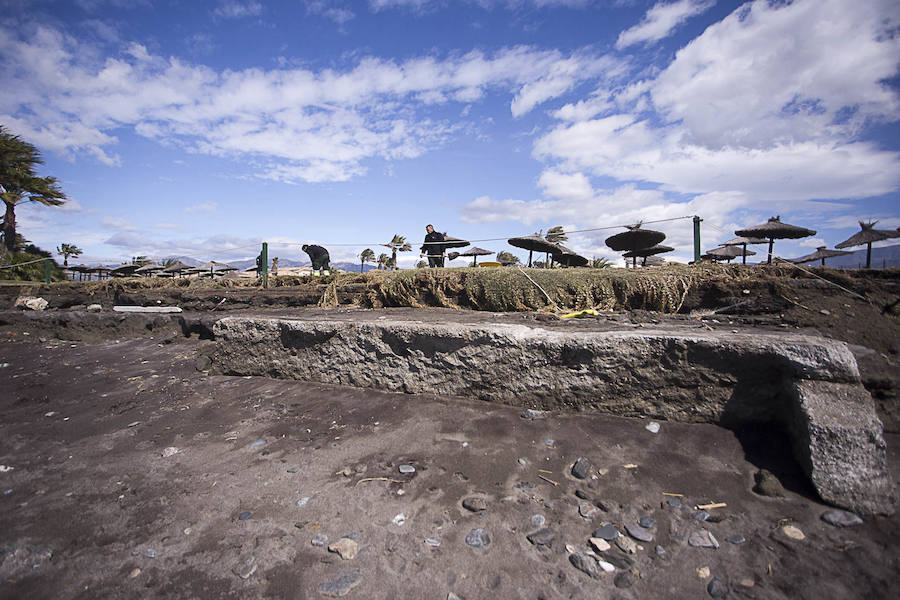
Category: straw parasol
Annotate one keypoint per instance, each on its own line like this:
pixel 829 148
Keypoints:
pixel 81 269
pixel 124 270
pixel 176 268
pixel 453 242
pixel 728 253
pixel 634 239
pixel 744 242
pixel 475 252
pixel 774 229
pixel 568 257
pixel 820 253
pixel 867 235
pixel 149 269
pixel 212 268
pixel 645 252
pixel 533 243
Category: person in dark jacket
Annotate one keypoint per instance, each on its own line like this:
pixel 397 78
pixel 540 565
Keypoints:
pixel 319 257
pixel 433 247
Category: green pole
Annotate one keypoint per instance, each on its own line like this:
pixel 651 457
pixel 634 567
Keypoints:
pixel 46 270
pixel 264 260
pixel 697 239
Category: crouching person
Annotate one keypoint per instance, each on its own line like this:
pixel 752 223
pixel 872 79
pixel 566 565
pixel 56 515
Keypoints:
pixel 319 257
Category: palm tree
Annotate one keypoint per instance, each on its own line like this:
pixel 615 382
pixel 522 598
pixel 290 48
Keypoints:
pixel 67 250
pixel 507 258
pixel 365 256
pixel 20 183
pixel 383 261
pixel 398 242
pixel 275 267
pixel 555 235
pixel 600 263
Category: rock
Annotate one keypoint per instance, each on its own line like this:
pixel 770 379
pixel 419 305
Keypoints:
pixel 639 533
pixel 406 469
pixel 588 510
pixel 700 515
pixel 599 544
pixel 320 539
pixel 474 503
pixel 703 572
pixel 793 532
pixel 150 553
pixel 626 545
pixel 841 518
pixel 478 538
pixel 258 443
pixel 659 550
pixel 399 519
pixel 607 567
pixel 170 451
pixel 522 462
pixel 94 308
pixel 340 587
pixel 532 414
pixel 245 515
pixel 538 520
pixel 674 503
pixel 652 427
pixel 345 548
pixel 768 485
pixel 582 468
pixel 586 564
pixel 717 588
pixel 746 582
pixel 134 573
pixel 432 542
pixel 582 495
pixel 626 579
pixel 302 501
pixel 293 469
pixel 246 568
pixel 541 537
pixel 647 522
pixel 203 363
pixel 735 539
pixel 607 532
pixel 31 303
pixel 452 596
pixel 703 539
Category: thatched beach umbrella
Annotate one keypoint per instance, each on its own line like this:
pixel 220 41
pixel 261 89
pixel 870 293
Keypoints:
pixel 728 253
pixel 80 269
pixel 634 239
pixel 568 257
pixel 532 243
pixel 124 270
pixel 820 253
pixel 743 242
pixel 475 252
pixel 453 242
pixel 774 229
pixel 213 268
pixel 176 268
pixel 148 269
pixel 867 235
pixel 645 252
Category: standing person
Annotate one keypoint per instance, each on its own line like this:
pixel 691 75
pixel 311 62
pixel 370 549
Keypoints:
pixel 432 247
pixel 319 257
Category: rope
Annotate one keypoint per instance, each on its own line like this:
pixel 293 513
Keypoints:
pixel 22 264
pixel 555 305
pixel 851 292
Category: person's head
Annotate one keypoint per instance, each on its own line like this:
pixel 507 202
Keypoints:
pixel 304 247
pixel 429 228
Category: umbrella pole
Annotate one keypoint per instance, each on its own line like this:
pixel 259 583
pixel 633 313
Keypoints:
pixel 869 255
pixel 529 258
pixel 744 257
pixel 474 261
pixel 771 243
pixel 823 261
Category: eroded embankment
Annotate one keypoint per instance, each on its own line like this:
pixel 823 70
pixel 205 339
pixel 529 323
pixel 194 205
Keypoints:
pixel 808 385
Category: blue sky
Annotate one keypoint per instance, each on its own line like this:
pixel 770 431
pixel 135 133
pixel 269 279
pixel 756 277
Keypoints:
pixel 202 128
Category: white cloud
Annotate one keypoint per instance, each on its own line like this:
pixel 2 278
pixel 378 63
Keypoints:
pixel 298 124
pixel 202 207
pixel 661 20
pixel 117 223
pixel 338 14
pixel 235 9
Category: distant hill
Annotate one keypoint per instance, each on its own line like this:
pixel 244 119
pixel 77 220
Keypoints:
pixel 886 257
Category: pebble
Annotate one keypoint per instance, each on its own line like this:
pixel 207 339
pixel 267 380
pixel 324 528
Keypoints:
pixel 258 443
pixel 652 427
pixel 134 573
pixel 674 503
pixel 541 537
pixel 294 470
pixel 170 451
pixel 538 520
pixel 433 542
pixel 582 468
pixel 474 504
pixel 607 532
pixel 660 550
pixel 703 572
pixel 647 522
pixel 599 544
pixel 245 515
pixel 452 596
pixel 626 579
pixel 768 485
pixel 345 548
pixel 302 501
pixel 586 564
pixel 478 538
pixel 340 587
pixel 532 414
pixel 320 539
pixel 703 539
pixel 841 518
pixel 399 519
pixel 735 539
pixel 639 533
pixel 583 495
pixel 626 545
pixel 607 567
pixel 134 423
pixel 588 510
pixel 407 469
pixel 717 588
pixel 246 569
pixel 793 532
pixel 700 515
pixel 150 553
pixel 523 462
pixel 549 443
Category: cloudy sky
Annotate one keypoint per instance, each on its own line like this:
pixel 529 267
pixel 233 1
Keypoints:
pixel 202 128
